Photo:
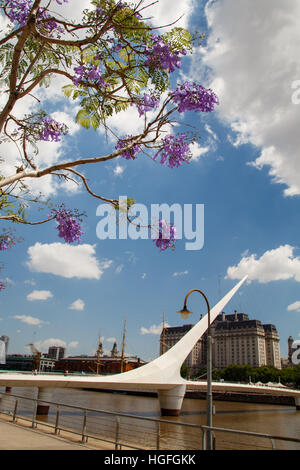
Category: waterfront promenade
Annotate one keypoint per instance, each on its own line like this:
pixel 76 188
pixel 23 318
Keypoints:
pixel 15 437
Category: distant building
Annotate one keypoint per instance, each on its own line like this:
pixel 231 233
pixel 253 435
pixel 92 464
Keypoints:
pixel 290 349
pixel 18 362
pixel 47 364
pixel 106 365
pixel 22 362
pixel 5 339
pixel 272 346
pixel 56 352
pixel 236 340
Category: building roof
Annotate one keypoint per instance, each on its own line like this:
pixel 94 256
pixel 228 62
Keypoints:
pixel 102 359
pixel 234 325
pixel 270 327
pixel 177 329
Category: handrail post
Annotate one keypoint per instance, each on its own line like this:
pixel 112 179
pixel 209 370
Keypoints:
pixel 34 413
pixel 15 411
pixel 157 435
pixel 117 447
pixel 203 439
pixel 56 431
pixel 214 442
pixel 273 444
pixel 84 427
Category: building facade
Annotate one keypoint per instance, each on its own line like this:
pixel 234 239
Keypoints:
pixel 56 352
pixel 90 364
pixel 239 340
pixel 5 340
pixel 236 340
pixel 172 335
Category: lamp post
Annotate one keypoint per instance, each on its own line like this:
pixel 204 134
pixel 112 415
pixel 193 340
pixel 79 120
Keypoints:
pixel 185 313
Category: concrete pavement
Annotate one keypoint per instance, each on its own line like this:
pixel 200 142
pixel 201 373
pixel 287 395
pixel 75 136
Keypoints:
pixel 16 437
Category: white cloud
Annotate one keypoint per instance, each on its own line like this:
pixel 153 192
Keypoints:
pixel 198 151
pixel 129 122
pixel 182 273
pixel 29 320
pixel 124 122
pixel 68 261
pixel 47 343
pixel 294 307
pixel 273 265
pixel 70 10
pixel 118 170
pixel 253 63
pixel 211 132
pixel 154 329
pixel 77 305
pixel 164 11
pixel 167 11
pixel 49 154
pixel 39 295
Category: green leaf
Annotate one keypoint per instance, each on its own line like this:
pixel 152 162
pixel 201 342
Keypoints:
pixel 68 90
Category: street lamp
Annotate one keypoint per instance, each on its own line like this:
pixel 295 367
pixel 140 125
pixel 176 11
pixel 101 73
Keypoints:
pixel 185 313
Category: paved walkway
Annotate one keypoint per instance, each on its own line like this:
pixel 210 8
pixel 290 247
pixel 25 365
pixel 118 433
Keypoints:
pixel 15 437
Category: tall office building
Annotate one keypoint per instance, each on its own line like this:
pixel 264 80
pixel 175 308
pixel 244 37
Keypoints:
pixel 236 340
pixel 239 340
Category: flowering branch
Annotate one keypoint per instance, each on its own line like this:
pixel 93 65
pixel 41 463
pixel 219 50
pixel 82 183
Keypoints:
pixel 111 60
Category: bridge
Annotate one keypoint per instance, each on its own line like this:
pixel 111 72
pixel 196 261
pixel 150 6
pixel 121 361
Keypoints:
pixel 161 375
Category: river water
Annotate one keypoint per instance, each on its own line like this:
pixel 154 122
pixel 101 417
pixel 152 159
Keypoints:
pixel 261 418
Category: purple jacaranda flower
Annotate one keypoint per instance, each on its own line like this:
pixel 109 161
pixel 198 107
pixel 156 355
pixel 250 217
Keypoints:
pixel 174 151
pixel 6 242
pixel 128 154
pixel 89 74
pixel 149 103
pixel 162 56
pixel 18 12
pixel 194 97
pixel 51 129
pixel 68 226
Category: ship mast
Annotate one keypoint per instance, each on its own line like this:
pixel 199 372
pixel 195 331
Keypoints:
pixel 99 352
pixel 123 348
pixel 163 346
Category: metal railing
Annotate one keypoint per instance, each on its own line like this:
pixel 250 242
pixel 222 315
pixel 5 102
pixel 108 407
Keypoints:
pixel 114 430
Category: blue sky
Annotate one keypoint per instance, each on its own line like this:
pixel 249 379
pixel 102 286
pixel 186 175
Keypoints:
pixel 245 171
